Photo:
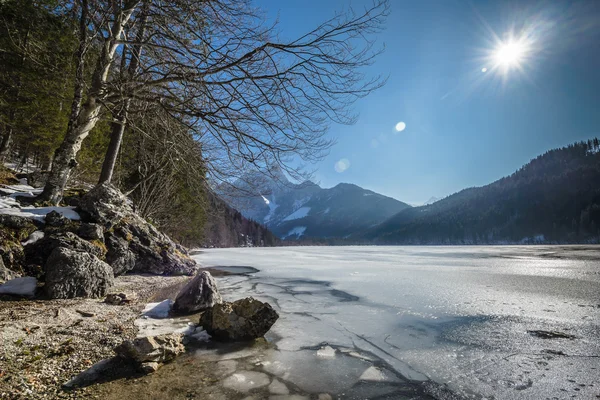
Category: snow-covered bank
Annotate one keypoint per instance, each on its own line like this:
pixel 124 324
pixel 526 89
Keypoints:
pixel 10 206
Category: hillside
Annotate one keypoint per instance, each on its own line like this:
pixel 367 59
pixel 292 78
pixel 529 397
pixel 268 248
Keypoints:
pixel 226 227
pixel 294 211
pixel 553 198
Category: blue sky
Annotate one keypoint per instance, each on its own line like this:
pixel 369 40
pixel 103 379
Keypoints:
pixel 464 127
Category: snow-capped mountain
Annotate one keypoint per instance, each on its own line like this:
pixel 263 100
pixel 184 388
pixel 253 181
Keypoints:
pixel 292 211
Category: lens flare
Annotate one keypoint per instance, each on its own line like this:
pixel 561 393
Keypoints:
pixel 510 54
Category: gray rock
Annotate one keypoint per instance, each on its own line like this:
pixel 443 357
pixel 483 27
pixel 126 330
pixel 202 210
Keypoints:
pixel 56 219
pixel 241 320
pixel 91 231
pixel 151 349
pixel 149 367
pixel 119 256
pixel 133 244
pixel 6 274
pixel 37 179
pixel 71 273
pixel 39 251
pixel 199 294
pixel 106 205
pixel 93 374
pixel 118 299
pixel 17 222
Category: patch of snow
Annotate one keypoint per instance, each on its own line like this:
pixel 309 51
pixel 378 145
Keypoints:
pixel 155 321
pixel 21 190
pixel 34 237
pixel 272 207
pixel 299 213
pixel 8 202
pixel 194 332
pixel 10 206
pixel 326 211
pixel 158 310
pixel 39 213
pixel 300 202
pixel 368 194
pixel 298 231
pixel 20 286
pixel 29 166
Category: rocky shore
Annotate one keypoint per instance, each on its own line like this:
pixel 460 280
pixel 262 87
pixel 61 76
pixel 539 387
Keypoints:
pixel 89 290
pixel 48 342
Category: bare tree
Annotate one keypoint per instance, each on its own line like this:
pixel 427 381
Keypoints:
pixel 128 72
pixel 247 96
pixel 113 18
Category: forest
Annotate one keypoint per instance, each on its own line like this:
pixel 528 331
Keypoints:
pixel 165 100
pixel 555 198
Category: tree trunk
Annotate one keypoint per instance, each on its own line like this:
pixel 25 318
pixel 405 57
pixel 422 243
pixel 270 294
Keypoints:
pixel 65 157
pixel 116 137
pixel 118 127
pixel 5 144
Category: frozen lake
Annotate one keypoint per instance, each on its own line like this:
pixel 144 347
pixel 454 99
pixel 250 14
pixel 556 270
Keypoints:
pixel 412 322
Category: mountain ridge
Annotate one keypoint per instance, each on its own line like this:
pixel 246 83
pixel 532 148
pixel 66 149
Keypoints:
pixel 553 198
pixel 294 211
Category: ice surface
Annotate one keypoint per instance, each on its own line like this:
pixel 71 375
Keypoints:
pixel 326 352
pixel 24 286
pixel 299 213
pixel 456 315
pixel 278 387
pixel 244 381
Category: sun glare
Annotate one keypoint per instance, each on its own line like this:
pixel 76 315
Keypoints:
pixel 510 54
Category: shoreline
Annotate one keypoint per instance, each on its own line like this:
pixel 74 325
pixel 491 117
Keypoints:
pixel 48 342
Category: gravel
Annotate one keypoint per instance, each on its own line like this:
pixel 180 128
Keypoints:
pixel 47 342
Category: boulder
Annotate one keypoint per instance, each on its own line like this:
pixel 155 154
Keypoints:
pixel 105 205
pixel 71 273
pixel 119 256
pixel 37 178
pixel 199 294
pixel 56 219
pixel 39 251
pixel 149 352
pixel 241 320
pixel 133 244
pixel 19 223
pixel 91 231
pixel 23 287
pixel 13 230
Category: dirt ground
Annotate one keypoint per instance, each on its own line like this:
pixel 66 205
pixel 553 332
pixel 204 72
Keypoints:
pixel 47 342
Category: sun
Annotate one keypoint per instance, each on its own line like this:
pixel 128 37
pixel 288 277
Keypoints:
pixel 510 54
